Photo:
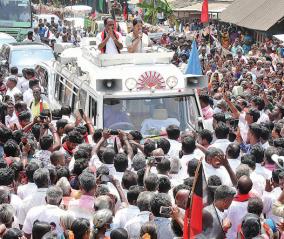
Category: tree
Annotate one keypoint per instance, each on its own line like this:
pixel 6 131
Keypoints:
pixel 153 7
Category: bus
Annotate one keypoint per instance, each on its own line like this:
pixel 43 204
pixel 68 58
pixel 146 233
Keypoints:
pixel 15 17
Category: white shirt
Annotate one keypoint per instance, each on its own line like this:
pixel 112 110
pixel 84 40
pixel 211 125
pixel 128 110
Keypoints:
pixel 45 213
pixel 235 214
pixel 184 162
pixel 111 168
pixel 10 120
pixel 134 225
pixel 82 207
pixel 220 144
pixel 263 117
pixel 28 97
pixel 234 163
pixel 259 169
pixel 175 148
pixel 16 203
pixel 13 92
pixel 123 215
pixel 26 190
pixel 221 172
pixel 258 182
pixel 110 45
pixel 265 145
pixel 268 199
pixel 23 84
pixel 144 42
pixel 244 127
pixel 118 176
pixel 94 162
pixel 36 199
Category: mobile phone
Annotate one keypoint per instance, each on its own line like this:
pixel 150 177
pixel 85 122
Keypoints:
pixel 165 211
pixel 81 112
pixel 105 178
pixel 151 159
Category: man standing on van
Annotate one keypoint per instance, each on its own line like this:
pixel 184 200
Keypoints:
pixel 110 41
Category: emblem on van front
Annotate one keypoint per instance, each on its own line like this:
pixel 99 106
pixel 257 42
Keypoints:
pixel 150 80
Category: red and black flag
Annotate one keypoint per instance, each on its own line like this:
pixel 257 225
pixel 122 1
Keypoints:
pixel 201 219
pixel 194 210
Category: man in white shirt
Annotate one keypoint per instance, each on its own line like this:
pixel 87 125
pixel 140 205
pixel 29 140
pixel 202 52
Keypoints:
pixel 173 133
pixel 23 82
pixel 269 198
pixel 30 188
pixel 134 225
pixel 233 155
pixel 30 37
pixel 238 208
pixel 258 103
pixel 84 206
pixel 215 163
pixel 258 152
pixel 28 95
pixel 123 215
pixel 49 213
pixel 221 133
pixel 11 117
pixel 110 41
pixel 12 87
pixel 188 149
pixel 42 180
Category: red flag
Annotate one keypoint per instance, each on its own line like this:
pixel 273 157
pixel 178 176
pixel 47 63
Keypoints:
pixel 193 212
pixel 204 13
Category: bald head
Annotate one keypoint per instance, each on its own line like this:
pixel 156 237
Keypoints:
pixel 158 152
pixel 69 127
pixel 244 184
pixel 182 198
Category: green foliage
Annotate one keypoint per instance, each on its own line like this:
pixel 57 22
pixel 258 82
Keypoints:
pixel 153 7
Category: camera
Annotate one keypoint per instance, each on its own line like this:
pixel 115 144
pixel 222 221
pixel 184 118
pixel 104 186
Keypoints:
pixel 165 211
pixel 113 132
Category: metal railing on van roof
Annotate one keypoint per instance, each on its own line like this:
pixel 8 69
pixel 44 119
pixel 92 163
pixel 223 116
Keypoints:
pixel 155 55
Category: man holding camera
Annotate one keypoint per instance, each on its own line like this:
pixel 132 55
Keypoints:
pixel 110 40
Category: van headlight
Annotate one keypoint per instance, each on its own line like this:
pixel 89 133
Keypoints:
pixel 130 83
pixel 172 81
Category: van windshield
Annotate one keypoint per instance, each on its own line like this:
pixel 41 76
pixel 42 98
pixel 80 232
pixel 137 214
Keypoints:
pixel 150 115
pixel 29 56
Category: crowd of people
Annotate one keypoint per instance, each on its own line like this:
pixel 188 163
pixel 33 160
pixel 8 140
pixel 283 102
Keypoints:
pixel 62 178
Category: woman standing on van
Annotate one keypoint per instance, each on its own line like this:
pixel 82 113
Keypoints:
pixel 136 40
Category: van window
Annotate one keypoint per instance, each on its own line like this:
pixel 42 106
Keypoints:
pixel 74 98
pixel 93 110
pixel 82 98
pixel 67 93
pixel 59 88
